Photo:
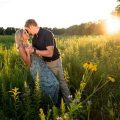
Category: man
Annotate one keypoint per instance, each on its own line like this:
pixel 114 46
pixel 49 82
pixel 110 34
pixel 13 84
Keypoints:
pixel 44 44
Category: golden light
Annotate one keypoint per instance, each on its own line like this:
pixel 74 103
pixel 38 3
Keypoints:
pixel 112 25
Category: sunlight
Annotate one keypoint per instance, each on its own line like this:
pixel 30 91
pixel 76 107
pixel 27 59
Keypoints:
pixel 112 25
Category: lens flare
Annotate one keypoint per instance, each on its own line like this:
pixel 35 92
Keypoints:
pixel 112 25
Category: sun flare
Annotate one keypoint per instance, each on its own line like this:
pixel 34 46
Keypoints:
pixel 112 25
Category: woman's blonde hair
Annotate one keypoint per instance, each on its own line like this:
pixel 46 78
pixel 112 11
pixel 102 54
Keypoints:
pixel 19 38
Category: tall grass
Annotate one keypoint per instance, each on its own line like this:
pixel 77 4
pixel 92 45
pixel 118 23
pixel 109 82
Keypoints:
pixel 75 51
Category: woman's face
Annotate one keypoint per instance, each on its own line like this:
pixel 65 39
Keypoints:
pixel 25 36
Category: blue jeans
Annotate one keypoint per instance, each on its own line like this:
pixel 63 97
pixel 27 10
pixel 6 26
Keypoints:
pixel 56 67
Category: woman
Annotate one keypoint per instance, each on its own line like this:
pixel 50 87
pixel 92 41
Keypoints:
pixel 49 83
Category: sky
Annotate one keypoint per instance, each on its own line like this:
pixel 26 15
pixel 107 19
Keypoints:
pixel 54 13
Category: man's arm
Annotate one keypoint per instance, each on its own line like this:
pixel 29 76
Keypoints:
pixel 45 53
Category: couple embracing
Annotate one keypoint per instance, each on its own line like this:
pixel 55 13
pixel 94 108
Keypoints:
pixel 43 58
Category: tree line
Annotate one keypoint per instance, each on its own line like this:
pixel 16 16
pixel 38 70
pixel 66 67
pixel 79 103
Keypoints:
pixel 90 28
pixel 7 31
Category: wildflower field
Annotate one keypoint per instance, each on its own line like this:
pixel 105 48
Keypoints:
pixel 91 68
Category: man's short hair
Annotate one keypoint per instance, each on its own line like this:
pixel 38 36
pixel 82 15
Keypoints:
pixel 30 22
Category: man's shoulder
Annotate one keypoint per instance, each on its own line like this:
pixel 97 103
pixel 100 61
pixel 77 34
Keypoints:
pixel 47 31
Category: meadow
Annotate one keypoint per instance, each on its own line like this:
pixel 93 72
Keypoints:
pixel 91 68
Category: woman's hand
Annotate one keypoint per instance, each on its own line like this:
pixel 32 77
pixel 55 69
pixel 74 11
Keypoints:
pixel 29 50
pixel 30 46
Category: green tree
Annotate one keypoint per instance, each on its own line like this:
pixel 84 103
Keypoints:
pixel 9 30
pixel 1 30
pixel 116 11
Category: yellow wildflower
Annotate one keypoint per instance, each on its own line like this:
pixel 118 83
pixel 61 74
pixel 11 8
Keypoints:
pixel 90 66
pixel 111 79
pixel 94 68
pixel 85 65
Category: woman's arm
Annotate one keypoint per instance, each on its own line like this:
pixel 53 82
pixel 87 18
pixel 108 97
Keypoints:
pixel 25 56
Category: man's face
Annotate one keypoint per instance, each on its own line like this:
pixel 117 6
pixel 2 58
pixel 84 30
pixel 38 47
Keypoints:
pixel 30 30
